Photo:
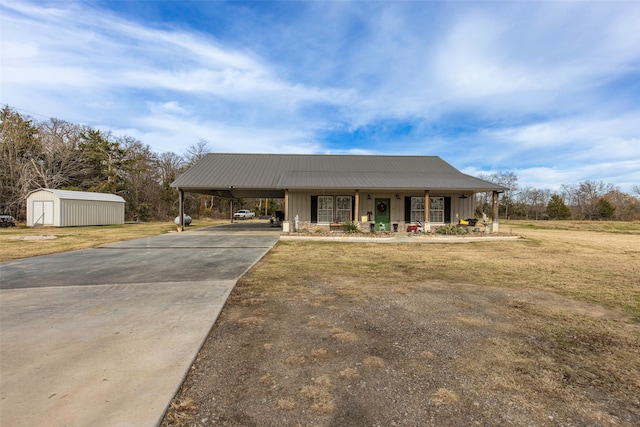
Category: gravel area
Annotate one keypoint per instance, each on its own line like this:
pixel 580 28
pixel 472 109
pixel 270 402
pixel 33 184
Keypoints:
pixel 427 354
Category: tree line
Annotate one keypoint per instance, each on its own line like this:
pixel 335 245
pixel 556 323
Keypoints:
pixel 587 200
pixel 61 155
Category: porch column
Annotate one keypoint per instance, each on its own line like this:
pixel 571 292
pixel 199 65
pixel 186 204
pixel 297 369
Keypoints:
pixel 181 210
pixel 285 221
pixel 495 225
pixel 231 209
pixel 356 213
pixel 427 224
pixel 286 205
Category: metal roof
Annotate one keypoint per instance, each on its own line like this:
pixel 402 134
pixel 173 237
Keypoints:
pixel 81 195
pixel 245 175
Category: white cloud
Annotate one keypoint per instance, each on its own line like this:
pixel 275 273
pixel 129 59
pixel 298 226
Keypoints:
pixel 581 137
pixel 540 87
pixel 124 56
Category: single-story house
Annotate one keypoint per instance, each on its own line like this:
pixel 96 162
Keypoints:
pixel 383 192
pixel 64 208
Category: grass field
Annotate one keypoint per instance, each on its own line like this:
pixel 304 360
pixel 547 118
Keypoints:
pixel 590 261
pixel 543 330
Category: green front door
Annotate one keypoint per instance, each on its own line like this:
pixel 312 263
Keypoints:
pixel 383 214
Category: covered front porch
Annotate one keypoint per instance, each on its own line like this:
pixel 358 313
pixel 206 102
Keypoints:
pixel 380 210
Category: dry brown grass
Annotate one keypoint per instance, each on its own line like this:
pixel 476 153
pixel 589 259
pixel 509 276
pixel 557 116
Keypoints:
pixel 595 262
pixel 15 246
pixel 181 410
pixel 538 331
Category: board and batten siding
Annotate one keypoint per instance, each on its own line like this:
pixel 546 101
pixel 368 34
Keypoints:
pixel 300 204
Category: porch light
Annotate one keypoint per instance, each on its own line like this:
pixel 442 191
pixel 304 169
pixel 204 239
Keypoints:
pixel 368 196
pixel 463 197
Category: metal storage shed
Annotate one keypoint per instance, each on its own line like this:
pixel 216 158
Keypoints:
pixel 64 208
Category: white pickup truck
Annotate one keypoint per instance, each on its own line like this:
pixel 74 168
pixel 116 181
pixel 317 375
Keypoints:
pixel 244 214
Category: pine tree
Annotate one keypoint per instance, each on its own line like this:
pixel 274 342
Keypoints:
pixel 556 209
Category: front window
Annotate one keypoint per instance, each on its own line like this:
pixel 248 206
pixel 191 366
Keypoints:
pixel 417 209
pixel 343 208
pixel 325 209
pixel 436 209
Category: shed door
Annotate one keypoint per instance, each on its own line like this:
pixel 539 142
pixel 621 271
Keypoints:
pixel 43 213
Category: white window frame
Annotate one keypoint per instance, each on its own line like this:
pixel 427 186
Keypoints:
pixel 436 209
pixel 417 209
pixel 344 206
pixel 325 209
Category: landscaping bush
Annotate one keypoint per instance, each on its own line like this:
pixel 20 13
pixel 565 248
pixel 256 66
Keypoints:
pixel 350 227
pixel 451 230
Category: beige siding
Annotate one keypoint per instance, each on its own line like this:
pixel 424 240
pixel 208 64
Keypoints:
pixel 300 204
pixel 462 208
pixel 85 212
pixel 75 212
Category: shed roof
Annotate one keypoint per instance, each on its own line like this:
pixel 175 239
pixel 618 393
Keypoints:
pixel 81 195
pixel 242 174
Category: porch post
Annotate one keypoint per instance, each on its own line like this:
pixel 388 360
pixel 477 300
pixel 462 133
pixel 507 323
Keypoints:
pixel 181 210
pixel 231 209
pixel 356 213
pixel 495 225
pixel 286 205
pixel 285 222
pixel 427 224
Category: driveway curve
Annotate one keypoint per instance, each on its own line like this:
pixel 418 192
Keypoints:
pixel 105 336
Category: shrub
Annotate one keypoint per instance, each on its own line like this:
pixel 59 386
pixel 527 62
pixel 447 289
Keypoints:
pixel 350 227
pixel 451 229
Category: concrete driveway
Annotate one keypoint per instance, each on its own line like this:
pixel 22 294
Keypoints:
pixel 105 337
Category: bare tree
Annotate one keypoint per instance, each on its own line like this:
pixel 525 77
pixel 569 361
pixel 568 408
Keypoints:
pixel 19 145
pixel 506 179
pixel 509 180
pixel 170 165
pixel 196 151
pixel 59 164
pixel 627 207
pixel 583 197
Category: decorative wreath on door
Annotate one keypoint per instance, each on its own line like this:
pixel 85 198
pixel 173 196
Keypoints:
pixel 382 207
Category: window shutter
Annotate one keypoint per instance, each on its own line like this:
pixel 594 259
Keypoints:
pixel 407 209
pixel 447 209
pixel 353 208
pixel 314 209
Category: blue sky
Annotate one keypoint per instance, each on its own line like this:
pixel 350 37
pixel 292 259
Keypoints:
pixel 549 90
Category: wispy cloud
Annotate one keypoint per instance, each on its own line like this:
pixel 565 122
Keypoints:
pixel 549 89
